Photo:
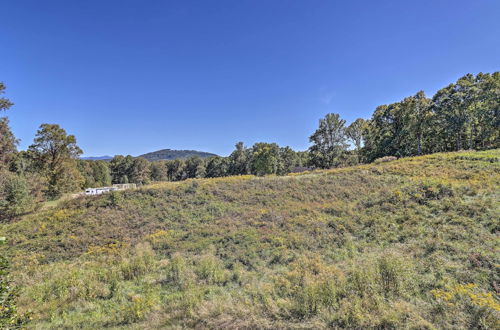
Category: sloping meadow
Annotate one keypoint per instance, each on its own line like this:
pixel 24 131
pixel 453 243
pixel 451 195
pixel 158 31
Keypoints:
pixel 408 243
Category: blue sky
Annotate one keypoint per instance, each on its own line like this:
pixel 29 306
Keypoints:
pixel 128 77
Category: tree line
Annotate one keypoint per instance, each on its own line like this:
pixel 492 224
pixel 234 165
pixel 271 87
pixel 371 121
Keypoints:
pixel 462 115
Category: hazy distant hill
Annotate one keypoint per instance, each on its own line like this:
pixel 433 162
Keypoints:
pixel 161 154
pixel 175 154
pixel 97 158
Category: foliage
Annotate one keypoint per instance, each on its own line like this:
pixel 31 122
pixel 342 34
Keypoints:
pixel 462 115
pixel 54 154
pixel 265 158
pixel 15 196
pixel 9 318
pixel 95 173
pixel 8 143
pixel 5 103
pixel 329 142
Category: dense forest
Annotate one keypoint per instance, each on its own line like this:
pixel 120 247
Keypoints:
pixel 462 115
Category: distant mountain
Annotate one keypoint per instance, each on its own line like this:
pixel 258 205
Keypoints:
pixel 175 154
pixel 97 158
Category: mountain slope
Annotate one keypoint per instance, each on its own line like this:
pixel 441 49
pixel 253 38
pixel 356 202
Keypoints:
pixel 408 243
pixel 169 154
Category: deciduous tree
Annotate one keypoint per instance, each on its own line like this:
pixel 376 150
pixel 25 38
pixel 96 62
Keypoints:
pixel 329 141
pixel 55 153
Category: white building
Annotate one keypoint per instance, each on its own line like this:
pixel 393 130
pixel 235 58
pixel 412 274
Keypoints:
pixel 102 190
pixel 98 191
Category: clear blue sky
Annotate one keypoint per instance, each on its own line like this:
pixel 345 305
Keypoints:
pixel 128 77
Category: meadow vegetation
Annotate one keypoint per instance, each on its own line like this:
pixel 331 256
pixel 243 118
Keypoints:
pixel 407 243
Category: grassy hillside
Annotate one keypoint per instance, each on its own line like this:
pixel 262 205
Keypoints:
pixel 169 154
pixel 409 243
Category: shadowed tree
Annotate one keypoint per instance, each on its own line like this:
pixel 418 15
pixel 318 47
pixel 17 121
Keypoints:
pixel 217 167
pixel 176 170
pixel 195 167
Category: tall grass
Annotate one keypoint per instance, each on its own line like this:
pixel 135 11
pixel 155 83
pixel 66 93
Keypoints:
pixel 410 243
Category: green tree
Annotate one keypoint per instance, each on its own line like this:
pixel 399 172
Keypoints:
pixel 140 171
pixel 8 143
pixel 120 168
pixel 195 167
pixel 176 170
pixel 54 153
pixel 159 170
pixel 355 133
pixel 487 106
pixel 96 173
pixel 329 142
pixel 15 195
pixel 420 118
pixel 217 167
pixel 239 160
pixel 5 103
pixel 288 160
pixel 265 158
pixel 454 106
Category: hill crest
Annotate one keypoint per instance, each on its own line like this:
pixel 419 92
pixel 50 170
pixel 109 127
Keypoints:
pixel 169 154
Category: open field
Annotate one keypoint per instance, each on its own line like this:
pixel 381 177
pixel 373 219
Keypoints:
pixel 411 243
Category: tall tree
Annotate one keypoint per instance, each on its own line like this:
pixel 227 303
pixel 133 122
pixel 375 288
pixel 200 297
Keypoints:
pixel 420 118
pixel 140 171
pixel 5 103
pixel 8 142
pixel 488 110
pixel 329 141
pixel 355 133
pixel 55 153
pixel 239 160
pixel 195 167
pixel 120 168
pixel 288 160
pixel 454 107
pixel 176 170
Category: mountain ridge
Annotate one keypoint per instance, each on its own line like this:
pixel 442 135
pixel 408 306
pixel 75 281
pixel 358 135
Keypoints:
pixel 169 154
pixel 162 154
